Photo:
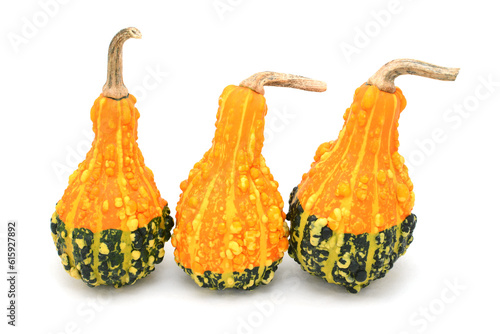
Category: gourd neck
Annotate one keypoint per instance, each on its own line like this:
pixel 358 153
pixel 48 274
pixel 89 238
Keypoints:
pixel 115 121
pixel 240 118
pixel 374 114
pixel 240 125
pixel 371 123
pixel 114 87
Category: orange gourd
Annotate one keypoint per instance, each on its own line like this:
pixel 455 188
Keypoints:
pixel 230 230
pixel 111 224
pixel 351 214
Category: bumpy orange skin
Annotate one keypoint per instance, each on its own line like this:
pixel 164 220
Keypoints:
pixel 112 187
pixel 351 214
pixel 112 191
pixel 359 182
pixel 230 230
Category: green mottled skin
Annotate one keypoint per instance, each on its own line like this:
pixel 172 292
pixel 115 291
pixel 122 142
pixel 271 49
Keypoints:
pixel 115 266
pixel 249 279
pixel 345 258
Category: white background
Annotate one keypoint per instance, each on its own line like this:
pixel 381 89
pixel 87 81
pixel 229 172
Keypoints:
pixel 48 83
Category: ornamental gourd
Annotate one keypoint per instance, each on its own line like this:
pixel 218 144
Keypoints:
pixel 111 224
pixel 351 214
pixel 231 230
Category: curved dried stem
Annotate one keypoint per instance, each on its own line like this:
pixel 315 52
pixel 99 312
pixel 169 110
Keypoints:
pixel 114 87
pixel 384 78
pixel 257 82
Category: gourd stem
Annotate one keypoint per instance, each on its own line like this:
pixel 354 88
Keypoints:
pixel 257 82
pixel 114 87
pixel 384 78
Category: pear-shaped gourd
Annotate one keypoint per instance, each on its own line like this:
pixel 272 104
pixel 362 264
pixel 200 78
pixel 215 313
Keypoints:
pixel 230 230
pixel 111 224
pixel 351 214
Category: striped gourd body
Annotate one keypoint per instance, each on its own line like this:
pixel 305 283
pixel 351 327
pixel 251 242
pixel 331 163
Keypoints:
pixel 230 230
pixel 111 224
pixel 351 214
